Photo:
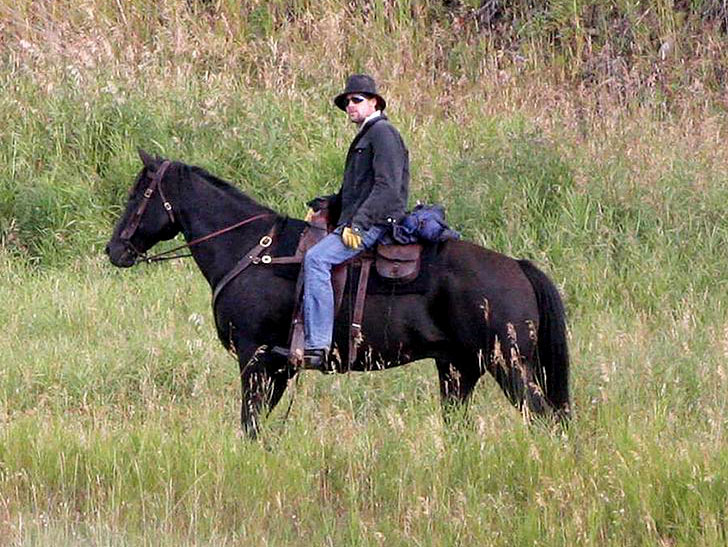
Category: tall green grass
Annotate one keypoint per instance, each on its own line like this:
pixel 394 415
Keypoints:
pixel 556 132
pixel 119 418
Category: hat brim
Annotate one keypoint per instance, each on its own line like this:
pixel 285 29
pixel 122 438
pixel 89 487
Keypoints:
pixel 341 102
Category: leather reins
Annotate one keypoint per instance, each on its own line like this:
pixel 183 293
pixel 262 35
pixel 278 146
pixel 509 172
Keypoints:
pixel 163 255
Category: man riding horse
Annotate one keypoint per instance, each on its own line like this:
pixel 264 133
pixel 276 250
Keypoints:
pixel 475 311
pixel 372 197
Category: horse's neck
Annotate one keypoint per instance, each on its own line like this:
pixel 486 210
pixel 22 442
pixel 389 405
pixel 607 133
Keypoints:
pixel 206 209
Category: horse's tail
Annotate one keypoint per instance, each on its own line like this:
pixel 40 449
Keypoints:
pixel 553 353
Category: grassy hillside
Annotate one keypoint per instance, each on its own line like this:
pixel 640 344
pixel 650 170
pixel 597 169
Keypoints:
pixel 587 136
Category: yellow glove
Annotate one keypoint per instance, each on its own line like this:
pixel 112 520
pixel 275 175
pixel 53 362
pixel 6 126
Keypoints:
pixel 351 238
pixel 309 215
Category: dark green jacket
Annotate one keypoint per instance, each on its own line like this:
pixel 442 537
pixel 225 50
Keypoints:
pixel 376 178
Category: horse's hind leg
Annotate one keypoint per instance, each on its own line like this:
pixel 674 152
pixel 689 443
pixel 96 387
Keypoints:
pixel 456 385
pixel 517 377
pixel 524 391
pixel 263 384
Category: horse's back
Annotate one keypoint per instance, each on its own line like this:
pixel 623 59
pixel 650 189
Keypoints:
pixel 470 267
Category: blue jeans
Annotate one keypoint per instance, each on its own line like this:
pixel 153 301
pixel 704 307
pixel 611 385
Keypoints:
pixel 318 293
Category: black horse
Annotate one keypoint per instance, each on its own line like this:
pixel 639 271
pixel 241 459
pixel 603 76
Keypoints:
pixel 473 310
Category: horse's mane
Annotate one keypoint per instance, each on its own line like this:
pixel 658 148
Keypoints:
pixel 229 189
pixel 221 184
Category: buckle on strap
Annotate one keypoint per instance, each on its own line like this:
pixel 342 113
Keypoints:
pixel 265 259
pixel 251 257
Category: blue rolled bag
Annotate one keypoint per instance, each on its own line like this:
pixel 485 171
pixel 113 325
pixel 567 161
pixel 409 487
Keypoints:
pixel 423 223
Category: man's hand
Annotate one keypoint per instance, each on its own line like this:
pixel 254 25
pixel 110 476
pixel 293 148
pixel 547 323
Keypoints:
pixel 309 215
pixel 351 238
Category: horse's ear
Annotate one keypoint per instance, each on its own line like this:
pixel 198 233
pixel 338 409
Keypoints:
pixel 148 161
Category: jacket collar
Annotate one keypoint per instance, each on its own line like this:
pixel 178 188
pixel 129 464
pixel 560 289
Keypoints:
pixel 373 116
pixel 366 126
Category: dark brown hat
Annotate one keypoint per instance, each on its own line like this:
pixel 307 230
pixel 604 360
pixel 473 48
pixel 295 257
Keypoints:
pixel 360 83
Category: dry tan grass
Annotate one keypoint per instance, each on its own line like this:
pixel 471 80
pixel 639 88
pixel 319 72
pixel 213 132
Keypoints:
pixel 151 425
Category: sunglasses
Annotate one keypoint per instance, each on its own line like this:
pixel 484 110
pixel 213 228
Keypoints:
pixel 356 99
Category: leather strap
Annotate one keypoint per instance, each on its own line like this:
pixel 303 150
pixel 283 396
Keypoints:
pixel 285 260
pixel 156 183
pixel 361 293
pixel 296 335
pixel 251 257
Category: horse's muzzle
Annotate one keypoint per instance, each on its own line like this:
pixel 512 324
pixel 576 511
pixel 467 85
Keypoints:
pixel 121 255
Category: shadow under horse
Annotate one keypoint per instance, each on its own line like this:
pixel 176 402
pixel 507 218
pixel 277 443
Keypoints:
pixel 476 311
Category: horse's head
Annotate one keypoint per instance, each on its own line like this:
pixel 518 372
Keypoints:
pixel 148 217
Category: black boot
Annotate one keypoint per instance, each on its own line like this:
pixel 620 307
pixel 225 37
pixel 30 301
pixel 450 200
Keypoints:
pixel 317 359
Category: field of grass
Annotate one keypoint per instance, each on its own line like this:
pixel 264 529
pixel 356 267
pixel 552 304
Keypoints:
pixel 118 406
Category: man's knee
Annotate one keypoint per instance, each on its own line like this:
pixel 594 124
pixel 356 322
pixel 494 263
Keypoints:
pixel 314 261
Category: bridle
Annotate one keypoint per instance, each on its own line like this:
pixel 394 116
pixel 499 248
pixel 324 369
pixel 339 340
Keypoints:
pixel 131 228
pixel 136 218
pixel 154 184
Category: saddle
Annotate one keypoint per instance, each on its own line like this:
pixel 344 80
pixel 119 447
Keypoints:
pixel 394 262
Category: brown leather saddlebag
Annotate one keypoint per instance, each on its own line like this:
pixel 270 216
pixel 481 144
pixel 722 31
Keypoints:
pixel 399 262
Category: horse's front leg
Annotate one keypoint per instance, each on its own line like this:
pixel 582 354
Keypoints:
pixel 264 379
pixel 458 378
